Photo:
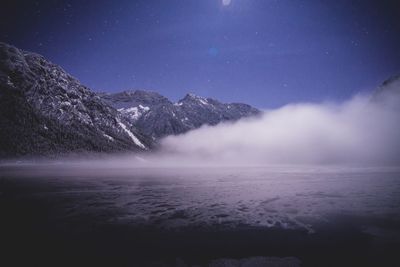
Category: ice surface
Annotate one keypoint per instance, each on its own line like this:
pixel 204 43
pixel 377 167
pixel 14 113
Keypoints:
pixel 285 197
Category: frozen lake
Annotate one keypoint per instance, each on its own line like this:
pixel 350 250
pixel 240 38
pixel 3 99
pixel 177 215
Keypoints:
pixel 300 202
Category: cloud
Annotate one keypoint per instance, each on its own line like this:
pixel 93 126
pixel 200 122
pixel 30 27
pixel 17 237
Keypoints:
pixel 363 130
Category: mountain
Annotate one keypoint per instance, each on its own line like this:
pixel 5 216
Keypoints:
pixel 392 84
pixel 45 111
pixel 157 116
pixel 388 92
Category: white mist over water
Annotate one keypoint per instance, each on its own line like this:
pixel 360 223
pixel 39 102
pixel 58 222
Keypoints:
pixel 363 130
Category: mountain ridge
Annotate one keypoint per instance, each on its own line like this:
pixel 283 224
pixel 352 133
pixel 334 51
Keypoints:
pixel 157 116
pixel 46 111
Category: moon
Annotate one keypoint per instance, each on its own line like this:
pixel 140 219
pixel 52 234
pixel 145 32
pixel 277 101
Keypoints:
pixel 226 2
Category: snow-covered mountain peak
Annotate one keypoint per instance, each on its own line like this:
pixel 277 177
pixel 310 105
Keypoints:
pixel 157 116
pixel 190 97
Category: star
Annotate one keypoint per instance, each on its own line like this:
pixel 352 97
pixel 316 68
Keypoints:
pixel 226 2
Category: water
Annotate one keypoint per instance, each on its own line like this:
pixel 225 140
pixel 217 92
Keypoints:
pixel 302 205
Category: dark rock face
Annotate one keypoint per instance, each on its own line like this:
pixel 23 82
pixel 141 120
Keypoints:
pixel 388 92
pixel 157 116
pixel 44 111
pixel 391 86
pixel 392 80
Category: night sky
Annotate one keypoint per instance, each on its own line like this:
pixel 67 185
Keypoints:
pixel 263 52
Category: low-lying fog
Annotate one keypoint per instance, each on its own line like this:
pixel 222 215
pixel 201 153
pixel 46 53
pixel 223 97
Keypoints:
pixel 364 130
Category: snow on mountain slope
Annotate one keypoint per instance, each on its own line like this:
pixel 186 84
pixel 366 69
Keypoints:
pixel 45 110
pixel 157 116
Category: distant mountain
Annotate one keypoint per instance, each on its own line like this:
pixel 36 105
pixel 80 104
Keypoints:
pixel 156 116
pixel 45 111
pixel 389 91
pixel 393 84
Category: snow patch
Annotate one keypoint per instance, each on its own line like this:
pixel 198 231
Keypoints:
pixel 131 135
pixel 134 112
pixel 144 108
pixel 203 101
pixel 9 82
pixel 108 137
pixel 65 103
